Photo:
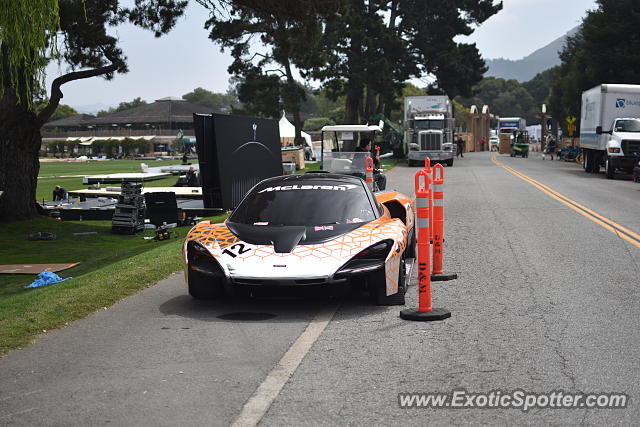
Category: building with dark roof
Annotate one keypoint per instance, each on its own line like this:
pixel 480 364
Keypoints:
pixel 162 121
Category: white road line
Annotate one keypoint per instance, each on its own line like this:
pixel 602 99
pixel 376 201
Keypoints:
pixel 258 405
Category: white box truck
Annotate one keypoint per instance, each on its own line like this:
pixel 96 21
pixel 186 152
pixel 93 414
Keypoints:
pixel 511 124
pixel 610 128
pixel 428 129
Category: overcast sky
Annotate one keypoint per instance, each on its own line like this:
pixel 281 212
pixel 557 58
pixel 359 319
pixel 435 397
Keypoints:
pixel 185 59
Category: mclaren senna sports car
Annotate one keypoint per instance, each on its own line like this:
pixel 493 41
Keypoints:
pixel 303 230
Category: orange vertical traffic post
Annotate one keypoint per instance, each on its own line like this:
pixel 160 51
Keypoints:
pixel 369 173
pixel 427 167
pixel 425 311
pixel 437 188
pixel 423 194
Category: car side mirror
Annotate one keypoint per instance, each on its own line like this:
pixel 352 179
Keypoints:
pixel 598 130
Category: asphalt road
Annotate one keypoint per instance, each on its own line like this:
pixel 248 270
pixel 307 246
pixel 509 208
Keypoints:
pixel 546 300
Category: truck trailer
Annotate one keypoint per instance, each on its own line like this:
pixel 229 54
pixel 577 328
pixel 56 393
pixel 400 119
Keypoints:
pixel 511 124
pixel 610 128
pixel 428 124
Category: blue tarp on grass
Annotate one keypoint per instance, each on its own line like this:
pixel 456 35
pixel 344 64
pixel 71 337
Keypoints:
pixel 46 278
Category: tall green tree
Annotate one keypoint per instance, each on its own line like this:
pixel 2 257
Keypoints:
pixel 29 31
pixel 539 87
pixel 125 105
pixel 606 49
pixel 217 101
pixel 505 98
pixel 61 112
pixel 289 32
pixel 376 45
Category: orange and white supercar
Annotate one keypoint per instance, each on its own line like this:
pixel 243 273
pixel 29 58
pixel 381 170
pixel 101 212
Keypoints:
pixel 305 230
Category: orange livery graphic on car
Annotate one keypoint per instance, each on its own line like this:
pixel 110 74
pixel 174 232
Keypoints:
pixel 315 229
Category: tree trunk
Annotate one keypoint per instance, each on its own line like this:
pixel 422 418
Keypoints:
pixel 352 104
pixel 294 103
pixel 370 105
pixel 19 146
pixel 19 166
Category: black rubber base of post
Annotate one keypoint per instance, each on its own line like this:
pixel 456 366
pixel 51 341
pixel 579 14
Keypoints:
pixel 443 277
pixel 434 314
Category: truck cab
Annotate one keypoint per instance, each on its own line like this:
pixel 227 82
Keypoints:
pixel 428 129
pixel 622 144
pixel 610 128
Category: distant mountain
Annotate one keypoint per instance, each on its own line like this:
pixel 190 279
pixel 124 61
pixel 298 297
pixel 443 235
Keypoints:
pixel 526 68
pixel 91 109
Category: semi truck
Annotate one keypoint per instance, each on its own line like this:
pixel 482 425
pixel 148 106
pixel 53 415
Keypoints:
pixel 610 128
pixel 428 129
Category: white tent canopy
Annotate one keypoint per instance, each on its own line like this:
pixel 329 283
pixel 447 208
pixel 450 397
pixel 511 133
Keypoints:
pixel 288 130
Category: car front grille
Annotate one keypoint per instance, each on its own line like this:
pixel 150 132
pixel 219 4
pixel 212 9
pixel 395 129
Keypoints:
pixel 630 147
pixel 430 142
pixel 279 282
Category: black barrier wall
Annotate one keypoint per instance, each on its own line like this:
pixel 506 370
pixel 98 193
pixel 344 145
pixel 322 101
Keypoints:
pixel 234 154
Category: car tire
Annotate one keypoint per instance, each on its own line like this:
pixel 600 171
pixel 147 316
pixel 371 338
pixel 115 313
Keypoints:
pixel 204 287
pixel 410 252
pixel 610 169
pixel 450 162
pixel 380 286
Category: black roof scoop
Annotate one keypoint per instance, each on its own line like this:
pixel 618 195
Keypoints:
pixel 284 238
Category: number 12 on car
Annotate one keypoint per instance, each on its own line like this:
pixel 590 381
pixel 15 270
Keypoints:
pixel 237 249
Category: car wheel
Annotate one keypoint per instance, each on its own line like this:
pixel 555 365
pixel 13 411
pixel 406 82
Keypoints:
pixel 610 169
pixel 450 162
pixel 410 251
pixel 204 287
pixel 380 285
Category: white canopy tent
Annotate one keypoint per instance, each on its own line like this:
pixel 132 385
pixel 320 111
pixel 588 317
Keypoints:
pixel 288 131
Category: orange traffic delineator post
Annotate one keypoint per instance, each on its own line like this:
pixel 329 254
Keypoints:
pixel 437 192
pixel 427 168
pixel 369 174
pixel 424 312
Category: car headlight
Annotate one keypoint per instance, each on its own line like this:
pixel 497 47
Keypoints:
pixel 447 146
pixel 614 149
pixel 368 260
pixel 414 147
pixel 201 260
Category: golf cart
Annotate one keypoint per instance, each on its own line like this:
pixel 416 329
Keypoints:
pixel 338 150
pixel 520 143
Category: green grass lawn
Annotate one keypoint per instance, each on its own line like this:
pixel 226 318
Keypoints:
pixel 51 171
pixel 99 167
pixel 111 267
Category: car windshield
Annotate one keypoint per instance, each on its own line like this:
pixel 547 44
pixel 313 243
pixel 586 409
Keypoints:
pixel 349 163
pixel 305 203
pixel 628 126
pixel 429 124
